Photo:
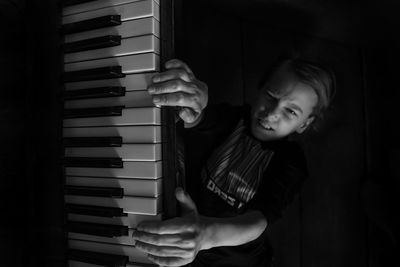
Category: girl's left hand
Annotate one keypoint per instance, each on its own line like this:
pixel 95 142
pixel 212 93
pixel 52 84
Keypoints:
pixel 173 242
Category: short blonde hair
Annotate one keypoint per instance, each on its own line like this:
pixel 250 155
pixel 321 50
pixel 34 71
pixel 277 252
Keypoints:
pixel 320 78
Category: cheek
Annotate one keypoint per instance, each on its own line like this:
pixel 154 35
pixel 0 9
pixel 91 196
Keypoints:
pixel 288 127
pixel 259 107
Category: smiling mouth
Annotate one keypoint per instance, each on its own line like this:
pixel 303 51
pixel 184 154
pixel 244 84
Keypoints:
pixel 265 125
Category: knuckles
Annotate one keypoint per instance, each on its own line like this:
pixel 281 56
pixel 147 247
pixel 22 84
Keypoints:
pixel 154 240
pixel 178 86
pixel 164 99
pixel 181 251
pixel 180 98
pixel 183 74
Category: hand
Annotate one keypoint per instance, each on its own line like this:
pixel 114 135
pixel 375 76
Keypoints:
pixel 174 242
pixel 179 87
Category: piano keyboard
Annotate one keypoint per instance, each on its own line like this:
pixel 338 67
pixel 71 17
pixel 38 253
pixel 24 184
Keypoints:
pixel 131 187
pixel 126 99
pixel 145 134
pixel 119 116
pixel 127 11
pixel 109 46
pixel 77 71
pixel 130 28
pixel 128 152
pixel 129 82
pixel 113 135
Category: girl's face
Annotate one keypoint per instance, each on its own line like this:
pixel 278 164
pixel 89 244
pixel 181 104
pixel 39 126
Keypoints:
pixel 283 108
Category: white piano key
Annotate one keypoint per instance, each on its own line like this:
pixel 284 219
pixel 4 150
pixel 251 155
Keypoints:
pixel 131 169
pixel 123 240
pixel 131 82
pixel 131 220
pixel 126 29
pixel 129 64
pixel 130 116
pixel 127 152
pixel 68 10
pixel 134 254
pixel 134 205
pixel 129 134
pixel 137 264
pixel 132 187
pixel 129 100
pixel 129 46
pixel 129 11
pixel 83 264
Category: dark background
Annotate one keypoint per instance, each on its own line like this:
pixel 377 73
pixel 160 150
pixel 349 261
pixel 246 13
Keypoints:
pixel 345 214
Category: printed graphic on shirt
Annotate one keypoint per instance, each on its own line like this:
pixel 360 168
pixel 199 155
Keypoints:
pixel 234 171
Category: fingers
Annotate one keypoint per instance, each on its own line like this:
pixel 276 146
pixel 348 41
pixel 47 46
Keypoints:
pixel 173 242
pixel 177 86
pixel 169 261
pixel 188 115
pixel 177 240
pixel 173 226
pixel 173 74
pixel 163 251
pixel 172 86
pixel 178 99
pixel 176 63
pixel 177 253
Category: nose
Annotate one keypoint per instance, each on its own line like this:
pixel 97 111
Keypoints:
pixel 270 115
pixel 273 115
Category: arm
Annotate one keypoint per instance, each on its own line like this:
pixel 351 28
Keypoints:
pixel 232 231
pixel 177 241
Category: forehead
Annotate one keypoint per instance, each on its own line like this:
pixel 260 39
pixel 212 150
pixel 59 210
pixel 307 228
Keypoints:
pixel 301 95
pixel 286 86
pixel 282 81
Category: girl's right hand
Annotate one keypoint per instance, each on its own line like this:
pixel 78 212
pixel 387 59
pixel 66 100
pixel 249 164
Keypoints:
pixel 178 86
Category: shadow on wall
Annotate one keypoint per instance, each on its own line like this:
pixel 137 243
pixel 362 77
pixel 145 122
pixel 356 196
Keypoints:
pixel 220 41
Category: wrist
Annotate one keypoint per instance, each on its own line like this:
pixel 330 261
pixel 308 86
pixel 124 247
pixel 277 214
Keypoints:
pixel 207 228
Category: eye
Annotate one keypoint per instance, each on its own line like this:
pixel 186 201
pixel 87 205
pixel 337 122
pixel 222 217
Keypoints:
pixel 291 112
pixel 270 95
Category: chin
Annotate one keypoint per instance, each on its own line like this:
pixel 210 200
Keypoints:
pixel 261 134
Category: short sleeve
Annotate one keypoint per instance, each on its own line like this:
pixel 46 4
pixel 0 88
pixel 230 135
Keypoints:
pixel 281 182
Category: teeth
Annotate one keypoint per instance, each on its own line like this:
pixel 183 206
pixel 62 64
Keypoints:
pixel 265 126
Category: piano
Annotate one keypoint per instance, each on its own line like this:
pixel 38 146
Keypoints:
pixel 120 151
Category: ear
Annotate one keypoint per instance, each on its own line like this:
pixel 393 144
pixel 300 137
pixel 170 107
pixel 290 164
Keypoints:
pixel 305 125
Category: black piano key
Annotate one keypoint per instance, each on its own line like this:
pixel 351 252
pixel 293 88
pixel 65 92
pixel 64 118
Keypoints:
pixel 93 162
pixel 95 210
pixel 106 141
pixel 114 192
pixel 92 43
pixel 98 92
pixel 97 258
pixel 92 112
pixel 75 2
pixel 107 230
pixel 91 24
pixel 111 72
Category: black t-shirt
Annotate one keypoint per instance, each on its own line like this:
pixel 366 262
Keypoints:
pixel 281 179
